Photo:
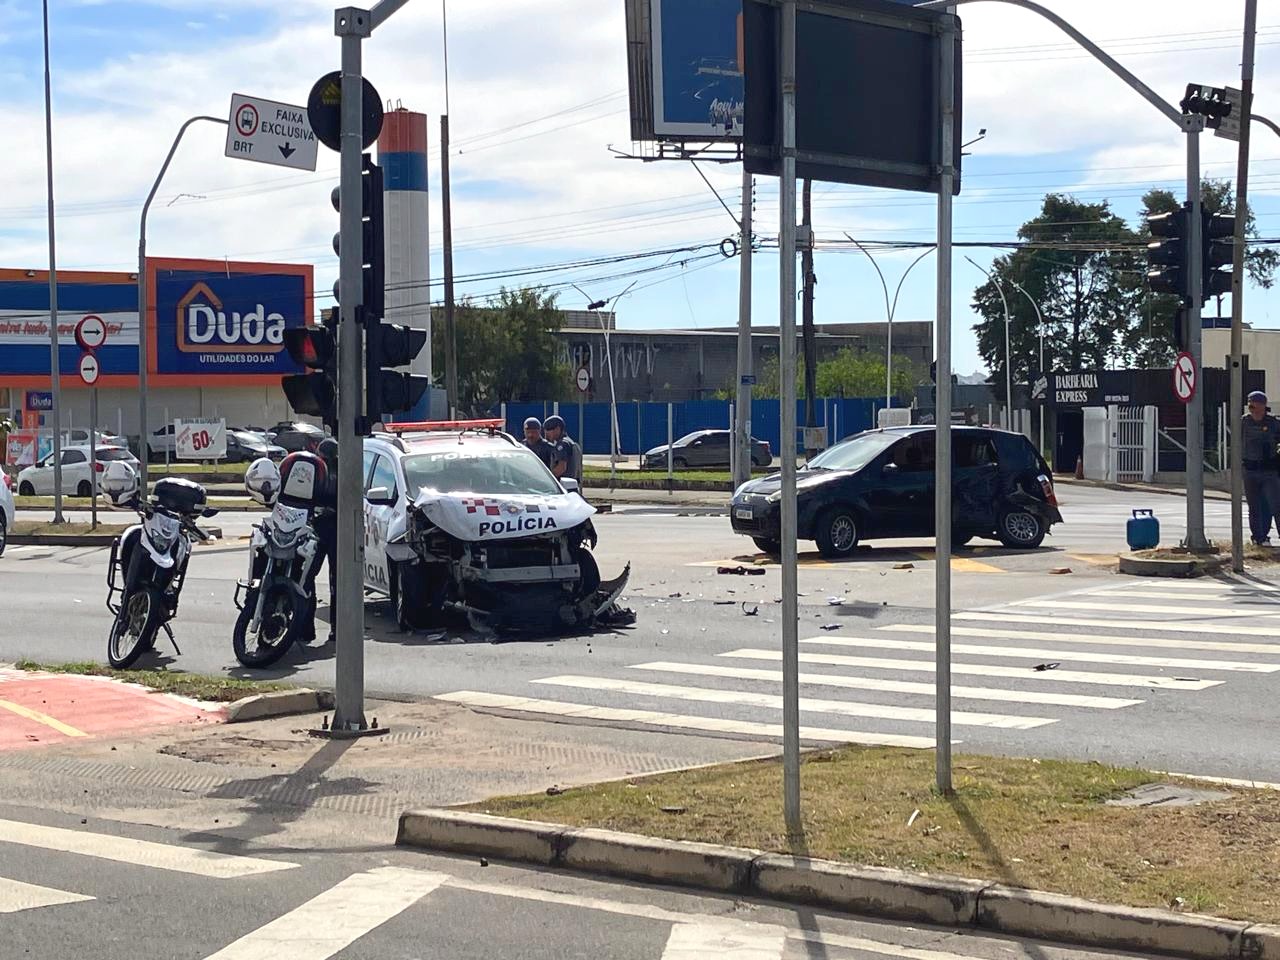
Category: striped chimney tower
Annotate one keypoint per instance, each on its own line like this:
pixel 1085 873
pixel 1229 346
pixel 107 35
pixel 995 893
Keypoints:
pixel 402 154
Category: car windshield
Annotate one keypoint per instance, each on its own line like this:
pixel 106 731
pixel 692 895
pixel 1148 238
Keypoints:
pixel 856 453
pixel 113 453
pixel 512 472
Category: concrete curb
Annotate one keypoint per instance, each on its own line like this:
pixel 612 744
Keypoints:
pixel 1209 494
pixel 873 891
pixel 1152 567
pixel 82 539
pixel 279 703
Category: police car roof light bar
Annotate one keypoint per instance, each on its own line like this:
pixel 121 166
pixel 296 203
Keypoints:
pixel 431 426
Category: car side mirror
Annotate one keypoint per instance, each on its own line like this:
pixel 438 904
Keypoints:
pixel 569 484
pixel 380 496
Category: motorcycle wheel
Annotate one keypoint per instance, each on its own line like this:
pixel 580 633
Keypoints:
pixel 134 630
pixel 282 615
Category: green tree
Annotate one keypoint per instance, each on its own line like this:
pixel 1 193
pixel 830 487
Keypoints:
pixel 849 373
pixel 507 351
pixel 1085 286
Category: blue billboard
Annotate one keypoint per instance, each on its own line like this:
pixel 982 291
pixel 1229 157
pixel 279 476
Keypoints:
pixel 697 68
pixel 224 323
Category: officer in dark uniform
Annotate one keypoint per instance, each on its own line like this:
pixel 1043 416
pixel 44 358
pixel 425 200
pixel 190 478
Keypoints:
pixel 534 440
pixel 325 523
pixel 1260 433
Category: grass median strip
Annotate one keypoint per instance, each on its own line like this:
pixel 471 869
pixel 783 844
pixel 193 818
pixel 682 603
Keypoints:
pixel 1028 823
pixel 44 528
pixel 194 685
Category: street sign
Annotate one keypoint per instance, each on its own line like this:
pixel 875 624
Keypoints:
pixel 815 438
pixel 91 332
pixel 200 439
pixel 89 369
pixel 748 379
pixel 324 110
pixel 583 380
pixel 269 132
pixel 1184 377
pixel 1229 126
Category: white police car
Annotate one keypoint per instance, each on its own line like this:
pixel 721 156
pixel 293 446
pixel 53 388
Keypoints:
pixel 462 514
pixel 6 509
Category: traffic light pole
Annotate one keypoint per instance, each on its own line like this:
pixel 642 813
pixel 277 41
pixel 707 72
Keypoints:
pixel 1195 283
pixel 1237 289
pixel 742 412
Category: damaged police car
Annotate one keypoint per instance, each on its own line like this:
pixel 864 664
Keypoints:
pixel 462 515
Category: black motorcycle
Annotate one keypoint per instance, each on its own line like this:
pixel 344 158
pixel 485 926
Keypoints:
pixel 148 567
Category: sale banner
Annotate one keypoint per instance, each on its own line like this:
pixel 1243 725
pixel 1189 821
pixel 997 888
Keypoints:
pixel 200 439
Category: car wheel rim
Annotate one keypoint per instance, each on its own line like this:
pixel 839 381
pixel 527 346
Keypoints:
pixel 843 533
pixel 1021 527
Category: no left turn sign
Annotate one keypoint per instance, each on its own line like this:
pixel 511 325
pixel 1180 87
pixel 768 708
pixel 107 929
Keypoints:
pixel 1184 377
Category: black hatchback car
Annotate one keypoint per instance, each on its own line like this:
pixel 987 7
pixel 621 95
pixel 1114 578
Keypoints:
pixel 880 485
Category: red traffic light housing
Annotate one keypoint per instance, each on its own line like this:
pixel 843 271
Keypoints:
pixel 313 394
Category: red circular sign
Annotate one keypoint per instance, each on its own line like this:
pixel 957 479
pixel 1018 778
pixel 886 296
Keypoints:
pixel 247 120
pixel 89 369
pixel 91 332
pixel 1184 377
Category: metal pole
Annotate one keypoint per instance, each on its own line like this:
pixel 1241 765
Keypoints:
pixel 142 298
pixel 810 345
pixel 733 447
pixel 55 371
pixel 348 716
pixel 891 310
pixel 1237 288
pixel 450 330
pixel 787 383
pixel 1039 326
pixel 670 451
pixel 93 458
pixel 1008 356
pixel 942 492
pixel 1195 409
pixel 746 362
pixel 613 408
pixel 171 440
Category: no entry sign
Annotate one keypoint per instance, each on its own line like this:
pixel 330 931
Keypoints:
pixel 1185 376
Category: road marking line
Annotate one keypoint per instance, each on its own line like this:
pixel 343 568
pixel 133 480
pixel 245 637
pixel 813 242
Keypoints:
pixel 960 564
pixel 43 718
pixel 142 853
pixel 16 896
pixel 1228 595
pixel 1272 649
pixel 556 708
pixel 1171 626
pixel 1214 585
pixel 985 670
pixel 768 701
pixel 694 941
pixel 645 911
pixel 892 686
pixel 1026 653
pixel 327 924
pixel 1143 608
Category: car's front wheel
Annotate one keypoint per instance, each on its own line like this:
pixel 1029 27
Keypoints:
pixel 1021 529
pixel 409 597
pixel 836 531
pixel 25 489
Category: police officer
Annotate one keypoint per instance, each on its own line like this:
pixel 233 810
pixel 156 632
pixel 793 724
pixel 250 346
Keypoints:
pixel 325 523
pixel 568 461
pixel 1260 433
pixel 534 441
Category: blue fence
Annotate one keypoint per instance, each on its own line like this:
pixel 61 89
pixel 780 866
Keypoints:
pixel 642 426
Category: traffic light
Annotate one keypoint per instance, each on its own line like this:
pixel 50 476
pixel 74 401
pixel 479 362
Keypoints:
pixel 386 346
pixel 1169 262
pixel 373 266
pixel 314 348
pixel 1219 251
pixel 1212 103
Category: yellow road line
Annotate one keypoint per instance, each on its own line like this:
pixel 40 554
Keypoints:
pixel 64 729
pixel 966 565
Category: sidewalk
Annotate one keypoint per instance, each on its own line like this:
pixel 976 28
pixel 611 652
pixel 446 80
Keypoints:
pixel 1157 488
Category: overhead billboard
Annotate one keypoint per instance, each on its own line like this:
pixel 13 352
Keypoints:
pixel 685 60
pixel 210 323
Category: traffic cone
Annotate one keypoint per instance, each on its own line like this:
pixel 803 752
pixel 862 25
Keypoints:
pixel 1079 468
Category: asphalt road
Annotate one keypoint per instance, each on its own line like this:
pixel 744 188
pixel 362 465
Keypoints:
pixel 1169 676
pixel 81 887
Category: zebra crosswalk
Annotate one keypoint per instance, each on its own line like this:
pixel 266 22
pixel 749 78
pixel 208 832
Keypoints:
pixel 1019 668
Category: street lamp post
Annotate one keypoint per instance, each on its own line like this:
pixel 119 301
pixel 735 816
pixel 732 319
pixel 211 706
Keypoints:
pixel 1039 326
pixel 1008 356
pixel 890 309
pixel 595 306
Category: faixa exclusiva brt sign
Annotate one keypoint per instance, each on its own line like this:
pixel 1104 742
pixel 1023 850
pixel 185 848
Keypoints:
pixel 225 322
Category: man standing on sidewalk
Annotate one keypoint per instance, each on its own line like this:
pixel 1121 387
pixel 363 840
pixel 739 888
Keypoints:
pixel 1260 433
pixel 568 462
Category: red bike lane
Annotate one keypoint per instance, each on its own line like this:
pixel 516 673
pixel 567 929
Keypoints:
pixel 38 709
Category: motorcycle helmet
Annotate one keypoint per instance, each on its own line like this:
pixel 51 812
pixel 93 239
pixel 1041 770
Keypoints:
pixel 262 480
pixel 302 479
pixel 119 483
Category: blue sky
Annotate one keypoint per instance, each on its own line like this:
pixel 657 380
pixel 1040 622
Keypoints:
pixel 537 98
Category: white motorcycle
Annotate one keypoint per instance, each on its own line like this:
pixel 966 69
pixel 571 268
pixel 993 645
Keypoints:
pixel 277 599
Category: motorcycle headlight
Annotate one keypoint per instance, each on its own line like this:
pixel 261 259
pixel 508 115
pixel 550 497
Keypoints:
pixel 284 538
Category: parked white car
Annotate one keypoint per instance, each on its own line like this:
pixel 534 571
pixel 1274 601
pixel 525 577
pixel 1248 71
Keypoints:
pixel 6 509
pixel 78 479
pixel 79 437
